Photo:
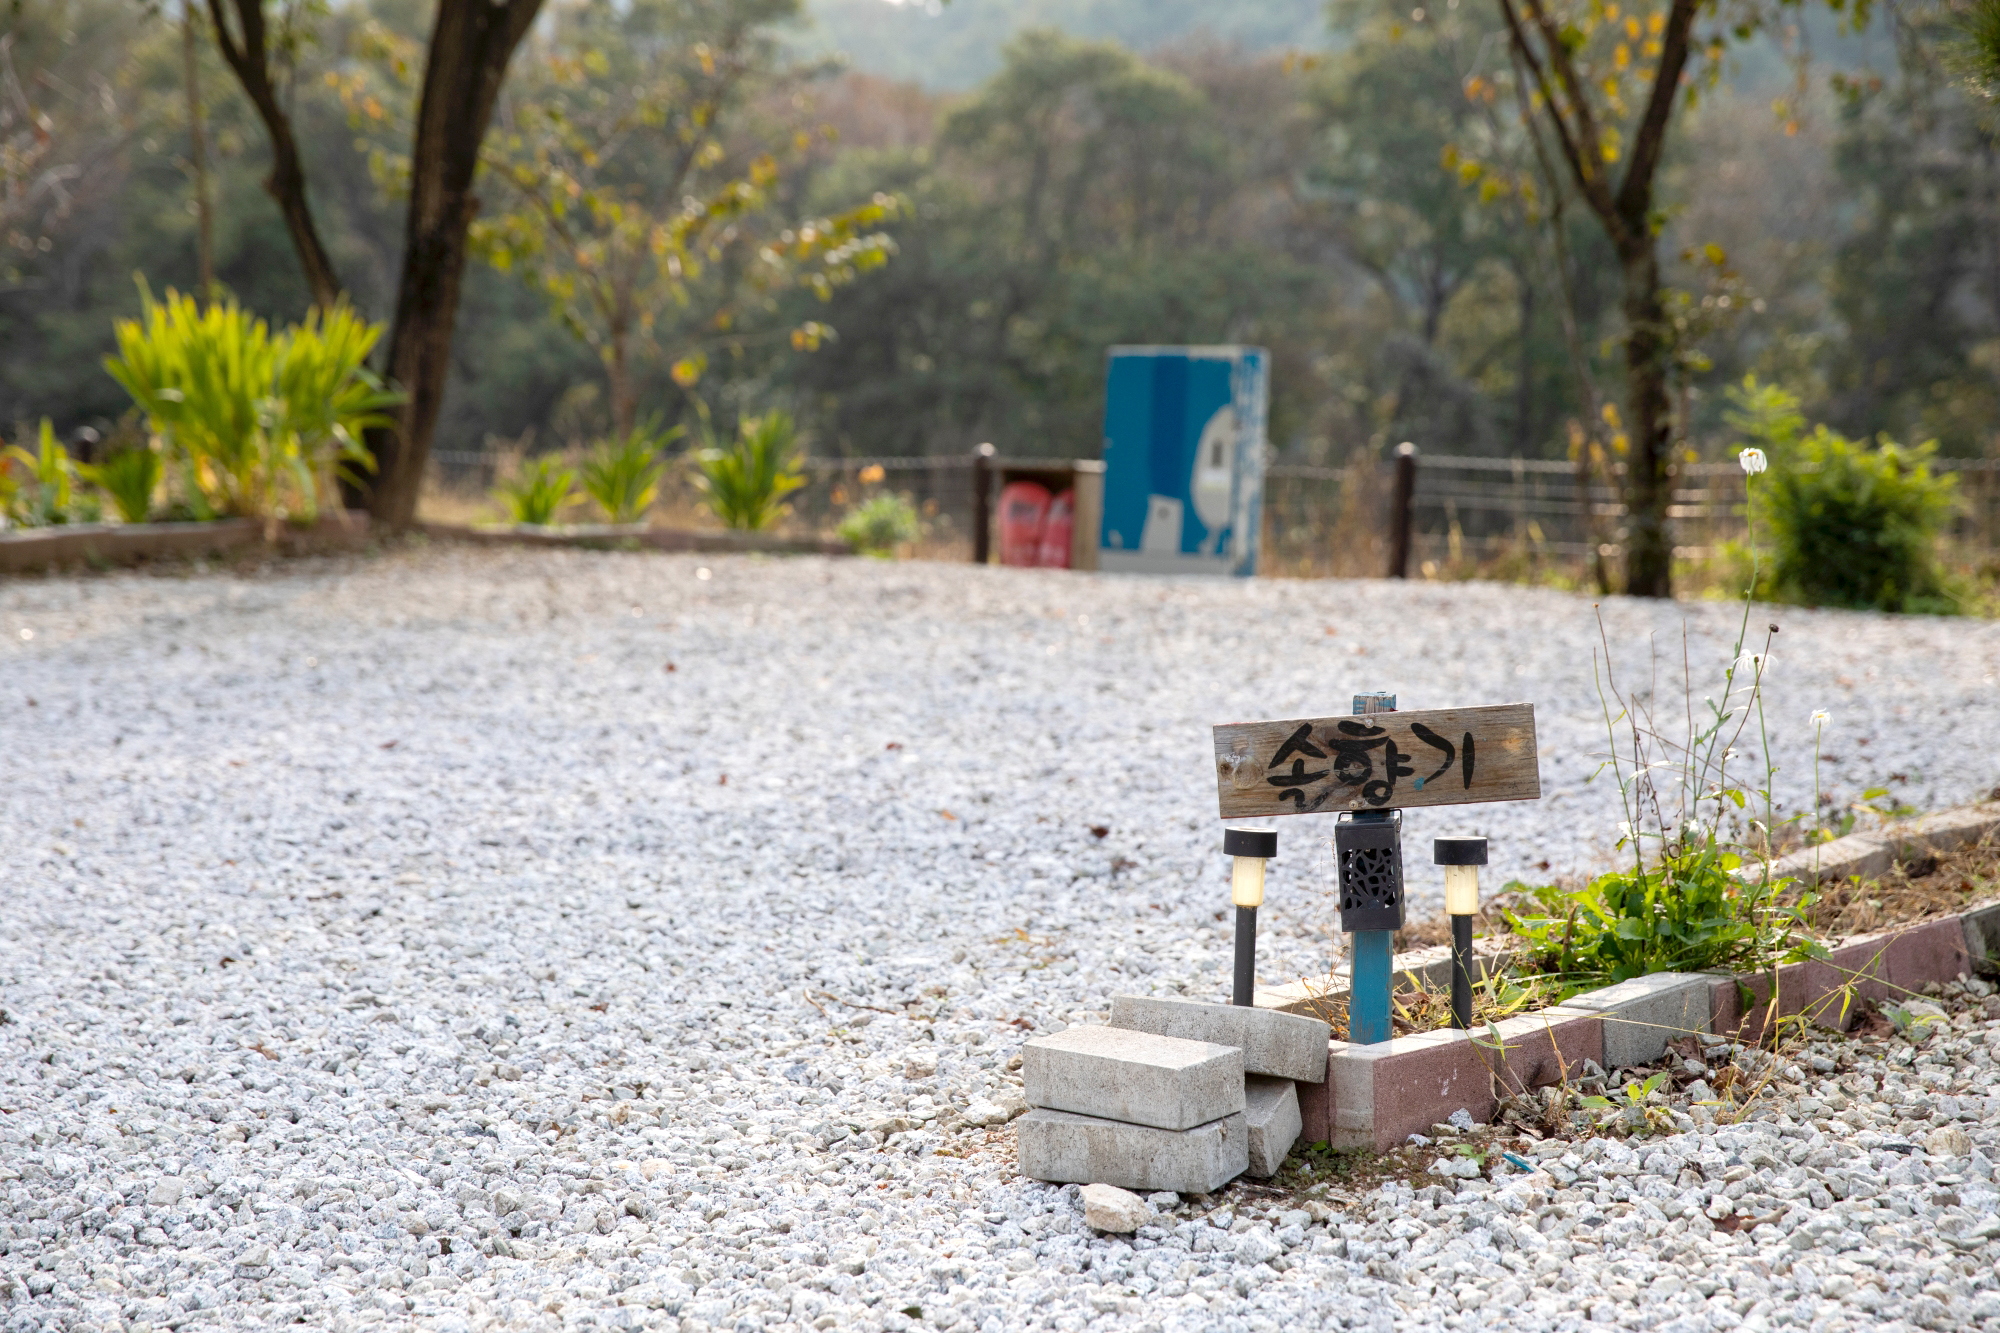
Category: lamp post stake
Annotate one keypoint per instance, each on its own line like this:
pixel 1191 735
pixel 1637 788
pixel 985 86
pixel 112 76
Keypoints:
pixel 1371 975
pixel 1250 848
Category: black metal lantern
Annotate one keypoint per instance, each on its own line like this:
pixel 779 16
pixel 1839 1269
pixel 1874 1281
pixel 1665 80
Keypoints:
pixel 1368 851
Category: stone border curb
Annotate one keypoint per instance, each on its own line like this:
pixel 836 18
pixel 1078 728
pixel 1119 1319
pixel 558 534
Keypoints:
pixel 611 537
pixel 100 544
pixel 1869 855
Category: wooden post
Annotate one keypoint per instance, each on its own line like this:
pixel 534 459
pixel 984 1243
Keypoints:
pixel 982 504
pixel 1087 494
pixel 1400 505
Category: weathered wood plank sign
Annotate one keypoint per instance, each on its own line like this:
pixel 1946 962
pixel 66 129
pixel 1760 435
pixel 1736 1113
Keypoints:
pixel 1448 756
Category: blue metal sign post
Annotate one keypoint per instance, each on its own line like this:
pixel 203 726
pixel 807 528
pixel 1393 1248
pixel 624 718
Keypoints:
pixel 1368 854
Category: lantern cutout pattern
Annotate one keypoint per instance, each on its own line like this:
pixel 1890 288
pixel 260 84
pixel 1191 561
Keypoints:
pixel 1369 853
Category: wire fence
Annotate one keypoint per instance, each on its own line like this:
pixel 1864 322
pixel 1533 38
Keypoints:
pixel 1466 513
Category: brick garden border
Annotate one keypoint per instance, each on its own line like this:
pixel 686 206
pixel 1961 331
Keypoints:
pixel 1374 1097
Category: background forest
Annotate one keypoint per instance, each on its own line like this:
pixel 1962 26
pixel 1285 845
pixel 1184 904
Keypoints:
pixel 1352 187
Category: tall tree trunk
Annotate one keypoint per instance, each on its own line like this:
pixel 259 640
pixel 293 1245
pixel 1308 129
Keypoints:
pixel 198 152
pixel 471 43
pixel 250 60
pixel 1649 546
pixel 618 370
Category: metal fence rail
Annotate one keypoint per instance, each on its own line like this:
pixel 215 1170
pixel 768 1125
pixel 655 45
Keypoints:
pixel 1463 512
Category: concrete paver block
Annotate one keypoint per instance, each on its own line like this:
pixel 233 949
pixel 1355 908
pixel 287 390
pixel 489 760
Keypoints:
pixel 1137 1077
pixel 1857 855
pixel 1926 952
pixel 1271 1111
pixel 1642 1015
pixel 1946 831
pixel 1283 1045
pixel 1982 932
pixel 1062 1147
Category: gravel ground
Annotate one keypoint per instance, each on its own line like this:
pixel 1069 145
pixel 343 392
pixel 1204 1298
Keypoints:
pixel 560 940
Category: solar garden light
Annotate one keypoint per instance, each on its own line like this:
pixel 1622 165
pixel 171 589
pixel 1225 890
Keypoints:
pixel 1461 858
pixel 1251 848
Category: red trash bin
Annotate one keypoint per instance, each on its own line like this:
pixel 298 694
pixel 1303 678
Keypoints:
pixel 1057 526
pixel 1023 507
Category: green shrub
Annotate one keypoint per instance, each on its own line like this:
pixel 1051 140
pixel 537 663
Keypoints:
pixel 746 483
pixel 129 477
pixel 44 492
pixel 1854 525
pixel 538 491
pixel 880 526
pixel 623 476
pixel 266 424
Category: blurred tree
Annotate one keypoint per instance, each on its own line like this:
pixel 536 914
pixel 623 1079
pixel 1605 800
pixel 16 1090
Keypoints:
pixel 61 127
pixel 643 146
pixel 1422 186
pixel 1917 280
pixel 470 45
pixel 1605 78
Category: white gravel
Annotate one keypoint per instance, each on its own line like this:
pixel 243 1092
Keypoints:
pixel 380 943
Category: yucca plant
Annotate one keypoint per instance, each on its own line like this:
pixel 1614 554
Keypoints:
pixel 48 495
pixel 746 482
pixel 129 477
pixel 268 424
pixel 538 491
pixel 623 476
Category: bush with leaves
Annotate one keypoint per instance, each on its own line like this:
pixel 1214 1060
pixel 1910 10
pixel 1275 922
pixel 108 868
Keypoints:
pixel 1854 525
pixel 623 475
pixel 538 491
pixel 879 526
pixel 266 425
pixel 746 482
pixel 38 490
pixel 129 477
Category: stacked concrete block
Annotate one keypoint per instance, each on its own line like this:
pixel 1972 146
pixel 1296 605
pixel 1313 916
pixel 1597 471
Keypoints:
pixel 1642 1015
pixel 1271 1111
pixel 1084 1149
pixel 1277 1044
pixel 1281 1053
pixel 1133 1109
pixel 1136 1077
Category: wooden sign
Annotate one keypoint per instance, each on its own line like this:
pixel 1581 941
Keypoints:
pixel 1449 756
